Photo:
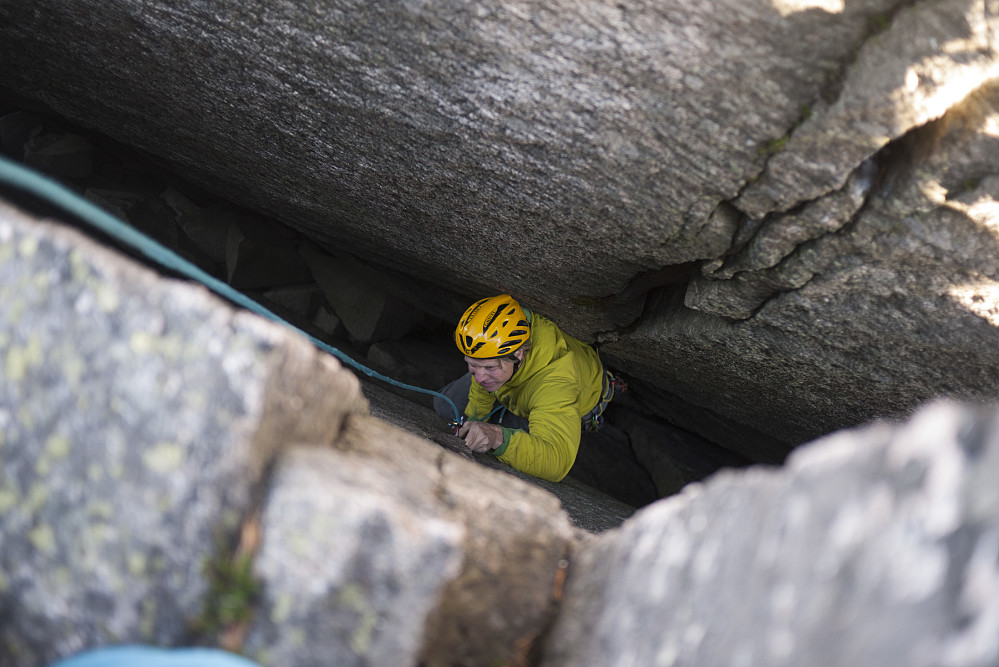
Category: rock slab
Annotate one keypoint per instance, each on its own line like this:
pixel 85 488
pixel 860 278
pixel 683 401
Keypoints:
pixel 871 547
pixel 137 416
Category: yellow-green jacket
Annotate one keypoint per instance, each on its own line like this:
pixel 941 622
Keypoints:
pixel 559 381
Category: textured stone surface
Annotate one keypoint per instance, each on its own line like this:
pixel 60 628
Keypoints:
pixel 933 55
pixel 414 134
pixel 673 457
pixel 896 307
pixel 515 537
pixel 875 546
pixel 780 216
pixel 352 562
pixel 136 417
pixel 587 508
pixel 368 311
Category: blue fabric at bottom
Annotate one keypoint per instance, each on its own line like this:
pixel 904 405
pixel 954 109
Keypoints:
pixel 144 656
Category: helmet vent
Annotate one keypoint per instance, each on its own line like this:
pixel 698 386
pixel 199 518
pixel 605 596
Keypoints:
pixel 492 327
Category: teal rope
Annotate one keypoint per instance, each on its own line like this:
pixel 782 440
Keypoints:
pixel 23 178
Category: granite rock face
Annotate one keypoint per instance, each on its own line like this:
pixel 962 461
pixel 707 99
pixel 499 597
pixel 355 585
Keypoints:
pixel 353 566
pixel 771 212
pixel 872 315
pixel 137 416
pixel 148 430
pixel 413 134
pixel 144 424
pixel 874 546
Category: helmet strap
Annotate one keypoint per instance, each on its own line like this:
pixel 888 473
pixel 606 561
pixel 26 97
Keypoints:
pixel 516 360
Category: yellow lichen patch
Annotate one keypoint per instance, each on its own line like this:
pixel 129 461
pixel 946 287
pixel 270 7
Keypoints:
pixel 19 360
pixel 107 298
pixel 78 263
pixel 101 509
pixel 143 342
pixel 136 563
pixel 99 533
pixel 43 539
pixel 57 447
pixel 6 252
pixel 41 281
pixel 164 457
pixel 62 577
pixel 281 610
pixel 352 596
pixel 27 247
pixel 43 466
pixel 73 369
pixel 8 499
pixel 37 495
pixel 25 418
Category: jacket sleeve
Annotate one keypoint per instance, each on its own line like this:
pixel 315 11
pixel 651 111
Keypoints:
pixel 549 450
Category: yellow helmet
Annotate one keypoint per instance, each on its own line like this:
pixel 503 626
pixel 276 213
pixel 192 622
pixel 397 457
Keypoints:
pixel 492 327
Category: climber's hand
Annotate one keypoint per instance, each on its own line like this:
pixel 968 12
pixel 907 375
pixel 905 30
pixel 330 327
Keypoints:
pixel 480 436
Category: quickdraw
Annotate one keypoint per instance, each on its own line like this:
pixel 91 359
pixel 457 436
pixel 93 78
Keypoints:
pixel 455 424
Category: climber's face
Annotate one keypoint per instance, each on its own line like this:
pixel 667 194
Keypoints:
pixel 490 373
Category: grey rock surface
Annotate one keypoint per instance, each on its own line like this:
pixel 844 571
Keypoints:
pixel 588 508
pixel 618 152
pixel 353 563
pixel 615 130
pixel 145 423
pixel 894 308
pixel 930 57
pixel 137 416
pixel 874 546
pixel 515 537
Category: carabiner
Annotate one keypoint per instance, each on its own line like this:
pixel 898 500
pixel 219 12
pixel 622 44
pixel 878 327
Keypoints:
pixel 456 425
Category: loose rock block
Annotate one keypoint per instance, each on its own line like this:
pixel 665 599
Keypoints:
pixel 351 568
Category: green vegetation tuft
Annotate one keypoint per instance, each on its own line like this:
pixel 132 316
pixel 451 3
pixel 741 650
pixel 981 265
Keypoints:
pixel 233 593
pixel 774 145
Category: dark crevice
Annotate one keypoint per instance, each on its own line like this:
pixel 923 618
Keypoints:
pixel 628 306
pixel 116 167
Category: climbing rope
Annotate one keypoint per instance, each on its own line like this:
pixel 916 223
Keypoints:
pixel 22 178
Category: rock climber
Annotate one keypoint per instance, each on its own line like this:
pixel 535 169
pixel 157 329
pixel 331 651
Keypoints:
pixel 530 390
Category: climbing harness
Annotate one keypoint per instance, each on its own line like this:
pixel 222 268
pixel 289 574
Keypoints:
pixel 612 386
pixel 24 179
